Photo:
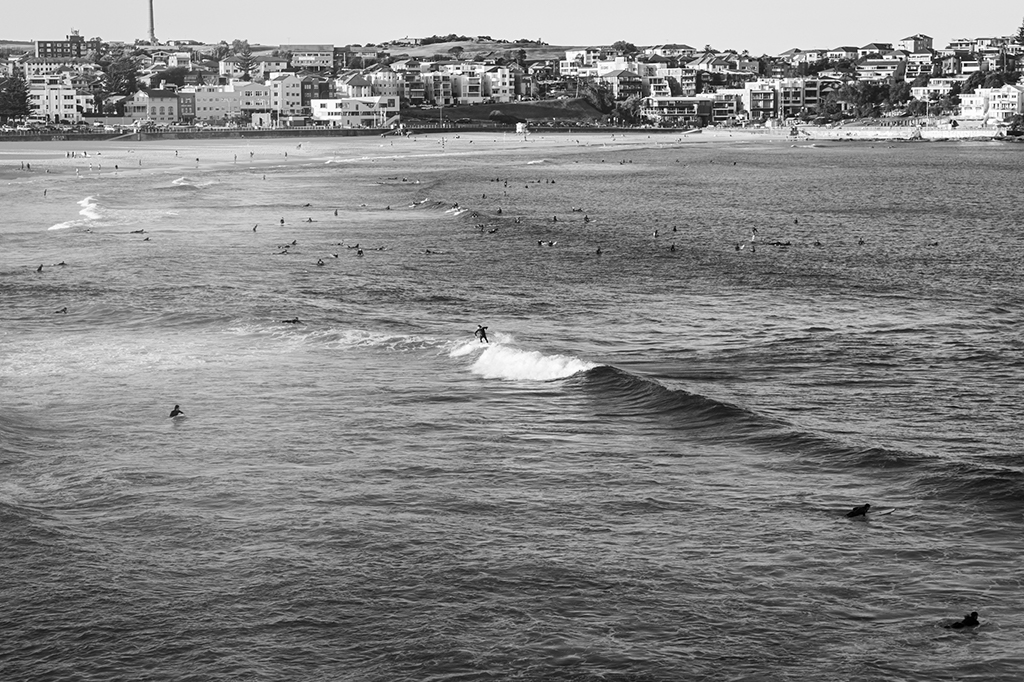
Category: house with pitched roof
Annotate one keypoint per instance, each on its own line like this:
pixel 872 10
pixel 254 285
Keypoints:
pixel 918 42
pixel 842 52
pixel 873 49
pixel 157 106
pixel 674 50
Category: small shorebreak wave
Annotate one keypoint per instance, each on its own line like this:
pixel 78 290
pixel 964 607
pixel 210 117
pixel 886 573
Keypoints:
pixel 90 212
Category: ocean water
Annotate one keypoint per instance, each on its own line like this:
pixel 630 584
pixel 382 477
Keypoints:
pixel 643 476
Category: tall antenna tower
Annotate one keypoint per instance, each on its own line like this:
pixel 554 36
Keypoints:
pixel 152 31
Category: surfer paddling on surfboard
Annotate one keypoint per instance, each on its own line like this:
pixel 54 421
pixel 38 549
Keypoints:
pixel 969 621
pixel 176 412
pixel 864 511
pixel 858 511
pixel 481 333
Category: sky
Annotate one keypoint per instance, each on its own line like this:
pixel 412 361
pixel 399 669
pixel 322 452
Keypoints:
pixel 755 25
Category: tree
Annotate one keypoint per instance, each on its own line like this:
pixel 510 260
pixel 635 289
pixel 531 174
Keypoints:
pixel 628 111
pixel 122 75
pixel 916 107
pixel 973 82
pixel 221 50
pixel 899 93
pixel 1019 38
pixel 14 101
pixel 624 47
pixel 994 79
pixel 456 51
pixel 1016 125
pixel 599 95
pixel 246 62
pixel 175 76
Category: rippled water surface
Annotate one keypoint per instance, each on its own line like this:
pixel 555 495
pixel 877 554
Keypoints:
pixel 643 476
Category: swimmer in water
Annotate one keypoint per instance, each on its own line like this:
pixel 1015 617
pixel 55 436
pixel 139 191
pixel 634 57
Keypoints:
pixel 293 321
pixel 176 412
pixel 481 333
pixel 858 511
pixel 969 621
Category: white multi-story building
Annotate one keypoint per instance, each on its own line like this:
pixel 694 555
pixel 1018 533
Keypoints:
pixel 437 88
pixel 995 105
pixel 467 88
pixel 670 51
pixel 180 60
pixel 311 57
pixel 915 43
pixel 936 88
pixel 881 69
pixel 215 102
pixel 617 63
pixel 385 82
pixel 499 84
pixel 285 94
pixel 52 98
pixel 253 97
pixel 44 66
pixel 919 64
pixel 356 112
pixel 266 65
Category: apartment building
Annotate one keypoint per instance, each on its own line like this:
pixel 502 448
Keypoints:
pixel 52 98
pixel 361 112
pixel 74 46
pixel 677 111
pixel 311 57
pixel 993 105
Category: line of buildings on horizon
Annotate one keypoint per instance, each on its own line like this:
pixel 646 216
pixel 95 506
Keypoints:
pixel 356 86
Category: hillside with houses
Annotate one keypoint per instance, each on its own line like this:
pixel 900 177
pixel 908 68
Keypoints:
pixel 80 80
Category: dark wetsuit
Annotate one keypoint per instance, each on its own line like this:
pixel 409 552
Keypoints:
pixel 858 511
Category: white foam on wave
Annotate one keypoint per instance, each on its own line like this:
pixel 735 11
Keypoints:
pixel 89 212
pixel 89 209
pixel 181 181
pixel 535 162
pixel 307 332
pixel 498 361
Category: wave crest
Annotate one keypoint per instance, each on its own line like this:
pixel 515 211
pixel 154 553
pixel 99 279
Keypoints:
pixel 497 361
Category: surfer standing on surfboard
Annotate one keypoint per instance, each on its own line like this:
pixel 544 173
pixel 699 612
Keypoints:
pixel 481 333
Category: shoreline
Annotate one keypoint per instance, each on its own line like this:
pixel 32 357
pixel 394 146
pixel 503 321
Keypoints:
pixel 846 133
